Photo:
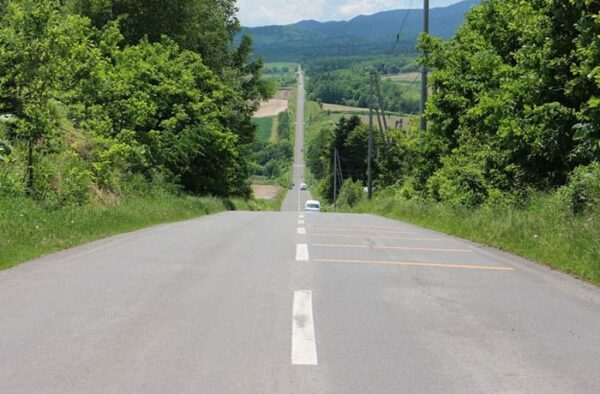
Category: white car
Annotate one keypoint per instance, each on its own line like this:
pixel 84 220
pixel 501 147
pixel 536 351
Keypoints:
pixel 312 206
pixel 303 186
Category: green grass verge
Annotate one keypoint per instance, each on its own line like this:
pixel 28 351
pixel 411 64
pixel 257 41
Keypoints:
pixel 28 230
pixel 543 231
pixel 265 128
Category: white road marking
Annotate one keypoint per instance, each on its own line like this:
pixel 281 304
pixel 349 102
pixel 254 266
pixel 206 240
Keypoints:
pixel 304 346
pixel 301 216
pixel 301 252
pixel 301 230
pixel 300 221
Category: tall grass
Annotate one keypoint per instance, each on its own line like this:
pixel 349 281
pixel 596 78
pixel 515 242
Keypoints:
pixel 28 230
pixel 543 231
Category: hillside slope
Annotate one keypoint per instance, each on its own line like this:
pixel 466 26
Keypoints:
pixel 372 34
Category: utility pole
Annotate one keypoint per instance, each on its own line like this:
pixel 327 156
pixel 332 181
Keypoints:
pixel 370 149
pixel 424 70
pixel 335 173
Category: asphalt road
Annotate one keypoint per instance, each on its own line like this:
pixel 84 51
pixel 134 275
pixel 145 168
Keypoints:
pixel 288 302
pixel 296 198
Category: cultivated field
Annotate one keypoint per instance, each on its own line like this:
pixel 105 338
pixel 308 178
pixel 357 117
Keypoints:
pixel 343 108
pixel 265 192
pixel 275 106
pixel 404 77
pixel 393 120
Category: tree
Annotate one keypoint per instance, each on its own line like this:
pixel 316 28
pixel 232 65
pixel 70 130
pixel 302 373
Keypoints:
pixel 40 51
pixel 515 92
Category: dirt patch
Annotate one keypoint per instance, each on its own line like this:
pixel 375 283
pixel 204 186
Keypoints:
pixel 265 192
pixel 272 107
pixel 343 108
pixel 404 77
pixel 283 94
pixel 276 105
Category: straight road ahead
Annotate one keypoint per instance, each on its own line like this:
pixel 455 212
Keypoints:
pixel 295 200
pixel 244 302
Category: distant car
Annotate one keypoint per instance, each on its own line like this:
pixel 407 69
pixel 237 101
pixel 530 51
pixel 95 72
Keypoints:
pixel 303 186
pixel 312 206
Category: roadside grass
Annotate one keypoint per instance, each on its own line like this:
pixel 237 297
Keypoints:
pixel 28 230
pixel 274 137
pixel 542 231
pixel 265 128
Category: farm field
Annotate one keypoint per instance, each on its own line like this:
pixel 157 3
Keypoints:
pixel 404 77
pixel 266 118
pixel 335 112
pixel 265 128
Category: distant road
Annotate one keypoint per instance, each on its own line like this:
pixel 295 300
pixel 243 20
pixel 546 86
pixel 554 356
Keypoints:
pixel 288 302
pixel 296 198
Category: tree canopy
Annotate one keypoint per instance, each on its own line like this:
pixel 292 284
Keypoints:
pixel 115 90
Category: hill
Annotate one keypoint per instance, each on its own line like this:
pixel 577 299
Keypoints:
pixel 363 35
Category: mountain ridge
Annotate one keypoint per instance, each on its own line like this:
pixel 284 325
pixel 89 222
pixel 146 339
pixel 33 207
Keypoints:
pixel 363 34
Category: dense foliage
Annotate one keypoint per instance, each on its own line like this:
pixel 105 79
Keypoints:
pixel 515 103
pixel 127 92
pixel 350 138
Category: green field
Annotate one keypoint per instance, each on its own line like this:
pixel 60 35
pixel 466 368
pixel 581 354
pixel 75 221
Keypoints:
pixel 280 68
pixel 284 73
pixel 265 128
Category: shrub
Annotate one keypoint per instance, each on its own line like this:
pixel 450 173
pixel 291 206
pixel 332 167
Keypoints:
pixel 351 193
pixel 458 182
pixel 62 179
pixel 582 193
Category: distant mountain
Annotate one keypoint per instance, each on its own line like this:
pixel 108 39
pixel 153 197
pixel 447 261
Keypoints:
pixel 371 34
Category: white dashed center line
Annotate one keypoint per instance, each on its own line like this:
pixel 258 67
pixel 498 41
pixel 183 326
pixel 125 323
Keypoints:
pixel 304 346
pixel 302 252
pixel 301 230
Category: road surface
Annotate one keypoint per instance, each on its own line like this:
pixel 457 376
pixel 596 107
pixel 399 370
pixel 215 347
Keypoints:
pixel 287 302
pixel 296 198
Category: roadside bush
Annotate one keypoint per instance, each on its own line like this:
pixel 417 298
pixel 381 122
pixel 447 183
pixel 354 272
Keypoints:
pixel 351 193
pixel 458 183
pixel 63 179
pixel 582 193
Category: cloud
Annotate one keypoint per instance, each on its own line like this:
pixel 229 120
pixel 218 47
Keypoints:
pixel 363 7
pixel 265 12
pixel 269 12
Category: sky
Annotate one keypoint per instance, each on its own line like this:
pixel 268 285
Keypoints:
pixel 280 12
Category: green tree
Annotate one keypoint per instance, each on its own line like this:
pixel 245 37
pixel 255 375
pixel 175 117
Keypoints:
pixel 515 95
pixel 41 51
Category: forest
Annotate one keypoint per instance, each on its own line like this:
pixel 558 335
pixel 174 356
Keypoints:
pixel 100 97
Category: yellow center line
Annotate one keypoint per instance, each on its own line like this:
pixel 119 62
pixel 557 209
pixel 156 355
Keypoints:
pixel 361 227
pixel 375 237
pixel 365 230
pixel 384 247
pixel 416 264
